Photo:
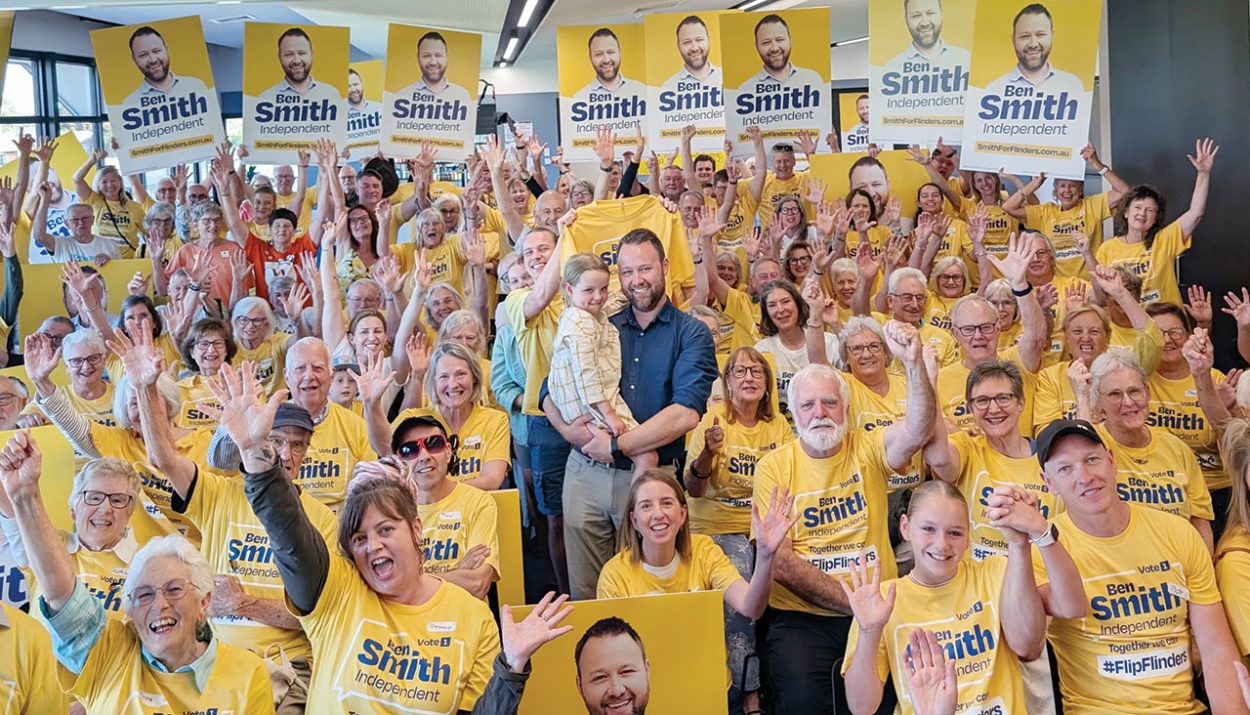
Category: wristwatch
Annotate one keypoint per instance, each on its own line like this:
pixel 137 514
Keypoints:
pixel 1048 537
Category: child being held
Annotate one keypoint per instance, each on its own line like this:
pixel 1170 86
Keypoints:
pixel 586 359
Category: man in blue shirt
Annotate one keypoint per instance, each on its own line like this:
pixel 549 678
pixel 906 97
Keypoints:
pixel 668 364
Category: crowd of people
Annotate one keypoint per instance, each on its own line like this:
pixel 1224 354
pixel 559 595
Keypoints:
pixel 974 459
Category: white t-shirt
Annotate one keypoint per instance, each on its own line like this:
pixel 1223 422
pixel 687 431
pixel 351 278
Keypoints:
pixel 789 362
pixel 68 249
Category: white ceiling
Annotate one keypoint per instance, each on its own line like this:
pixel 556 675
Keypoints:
pixel 369 18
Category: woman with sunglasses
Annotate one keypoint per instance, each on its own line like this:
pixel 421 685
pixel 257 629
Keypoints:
pixel 722 454
pixel 1156 469
pixel 373 601
pixel 165 650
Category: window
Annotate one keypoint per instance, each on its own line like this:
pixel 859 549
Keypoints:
pixel 20 98
pixel 76 94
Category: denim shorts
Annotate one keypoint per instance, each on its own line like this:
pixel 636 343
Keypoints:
pixel 548 455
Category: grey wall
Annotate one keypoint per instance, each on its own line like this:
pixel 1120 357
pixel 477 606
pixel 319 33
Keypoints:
pixel 1180 70
pixel 541 108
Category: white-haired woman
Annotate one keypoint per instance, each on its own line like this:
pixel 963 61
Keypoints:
pixel 162 241
pixel 166 653
pixel 465 327
pixel 1156 469
pixel 84 354
pixel 116 217
pixel 258 342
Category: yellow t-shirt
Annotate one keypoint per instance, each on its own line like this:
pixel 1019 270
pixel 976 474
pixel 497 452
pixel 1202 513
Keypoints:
pixel 535 339
pixel 999 225
pixel 165 344
pixel 115 680
pixel 28 668
pixel 981 469
pixel 966 614
pixel 194 393
pixel 451 526
pixel 236 544
pixel 446 260
pixel 483 438
pixel 1131 653
pixel 1174 407
pixel 304 211
pixel 869 411
pixel 938 313
pixel 707 569
pixel 341 440
pixel 98 410
pixel 1157 267
pixel 746 317
pixel 841 503
pixel 125 445
pixel 120 224
pixel 777 189
pixel 741 219
pixel 1232 572
pixel 601 225
pixel 102 572
pixel 725 508
pixel 1056 345
pixel 1086 217
pixel 371 654
pixel 1163 475
pixel 940 339
pixel 952 390
pixel 269 359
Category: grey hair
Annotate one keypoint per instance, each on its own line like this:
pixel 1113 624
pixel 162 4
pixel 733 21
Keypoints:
pixel 85 337
pixel 858 324
pixel 1108 363
pixel 105 467
pixel 122 392
pixel 429 294
pixel 843 265
pixel 159 209
pixel 900 274
pixel 973 298
pixel 308 342
pixel 426 216
pixel 459 351
pixel 246 304
pixel 204 208
pixel 173 546
pixel 457 319
pixel 815 370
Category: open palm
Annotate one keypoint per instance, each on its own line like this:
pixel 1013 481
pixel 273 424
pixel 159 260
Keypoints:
pixel 773 529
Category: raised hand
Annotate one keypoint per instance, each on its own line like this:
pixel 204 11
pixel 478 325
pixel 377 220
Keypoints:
pixel 86 285
pixel 418 350
pixel 918 155
pixel 474 247
pixel 605 145
pixel 932 685
pixel 709 226
pixel 1198 353
pixel 1075 295
pixel 294 301
pixel 41 358
pixel 383 212
pixel 773 529
pixel 46 150
pixel 751 245
pixel 892 213
pixel 242 414
pixel 521 640
pixel 1227 390
pixel 1013 510
pixel 903 340
pixel 21 463
pixel 868 264
pixel 1015 265
pixel 815 192
pixel 139 284
pixel 1199 305
pixel 375 376
pixel 388 274
pixel 978 222
pixel 871 610
pixel 1110 281
pixel 895 252
pixel 141 360
pixel 1203 157
pixel 1047 297
pixel 841 218
pixel 805 142
pixel 494 154
pixel 813 295
pixel 714 437
pixel 1238 307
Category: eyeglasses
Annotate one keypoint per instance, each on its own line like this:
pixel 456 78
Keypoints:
pixel 952 278
pixel 77 362
pixel 434 444
pixel 1176 334
pixel 295 445
pixel 161 221
pixel 909 297
pixel 7 399
pixel 789 210
pixel 871 348
pixel 969 330
pixel 174 591
pixel 799 259
pixel 213 344
pixel 1041 253
pixel 1002 399
pixel 1116 397
pixel 245 321
pixel 117 500
pixel 744 370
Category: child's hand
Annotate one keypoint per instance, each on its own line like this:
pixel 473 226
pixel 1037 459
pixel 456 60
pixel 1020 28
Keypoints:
pixel 615 424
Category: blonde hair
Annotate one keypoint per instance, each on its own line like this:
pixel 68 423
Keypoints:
pixel 578 265
pixel 459 351
pixel 944 263
pixel 628 540
pixel 1236 448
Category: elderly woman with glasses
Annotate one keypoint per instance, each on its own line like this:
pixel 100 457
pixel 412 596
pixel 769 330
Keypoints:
pixel 257 341
pixel 208 345
pixel 165 650
pixel 1156 469
pixel 90 394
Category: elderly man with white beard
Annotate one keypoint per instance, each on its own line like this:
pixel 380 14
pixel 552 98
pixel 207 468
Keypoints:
pixel 841 480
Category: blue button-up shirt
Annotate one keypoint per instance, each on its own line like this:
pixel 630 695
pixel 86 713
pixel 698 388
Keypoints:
pixel 670 362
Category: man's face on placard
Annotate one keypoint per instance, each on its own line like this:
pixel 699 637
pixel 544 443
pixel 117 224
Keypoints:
pixel 613 677
pixel 151 56
pixel 432 57
pixel 296 58
pixel 694 45
pixel 924 22
pixel 1033 36
pixel 355 88
pixel 605 56
pixel 772 42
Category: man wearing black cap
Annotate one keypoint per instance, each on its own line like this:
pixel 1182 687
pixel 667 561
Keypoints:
pixel 459 523
pixel 1151 590
pixel 247 608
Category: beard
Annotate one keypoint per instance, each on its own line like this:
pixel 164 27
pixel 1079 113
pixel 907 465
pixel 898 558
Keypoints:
pixel 646 301
pixel 607 72
pixel 822 440
pixel 157 73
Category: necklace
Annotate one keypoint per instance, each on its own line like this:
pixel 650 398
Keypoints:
pixel 912 575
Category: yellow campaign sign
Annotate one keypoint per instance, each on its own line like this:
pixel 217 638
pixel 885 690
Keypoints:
pixel 780 84
pixel 919 62
pixel 854 112
pixel 364 108
pixel 431 91
pixel 1030 93
pixel 602 84
pixel 511 584
pixel 68 157
pixel 294 89
pixel 669 648
pixel 891 174
pixel 158 86
pixel 43 295
pixel 6 38
pixel 684 80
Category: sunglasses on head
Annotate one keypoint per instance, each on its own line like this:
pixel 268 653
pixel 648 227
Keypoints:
pixel 433 444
